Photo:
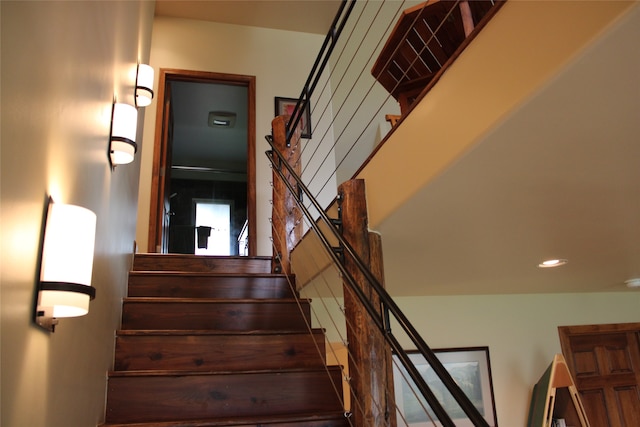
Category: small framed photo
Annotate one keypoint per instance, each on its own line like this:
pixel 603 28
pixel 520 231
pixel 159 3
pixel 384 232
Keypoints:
pixel 285 106
pixel 469 367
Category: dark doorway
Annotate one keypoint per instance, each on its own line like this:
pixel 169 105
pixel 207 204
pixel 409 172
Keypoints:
pixel 204 153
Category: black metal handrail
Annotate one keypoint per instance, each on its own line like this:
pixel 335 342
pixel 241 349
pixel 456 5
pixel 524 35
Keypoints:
pixel 346 6
pixel 387 303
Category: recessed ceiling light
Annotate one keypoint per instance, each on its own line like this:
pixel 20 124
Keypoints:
pixel 633 283
pixel 222 119
pixel 550 263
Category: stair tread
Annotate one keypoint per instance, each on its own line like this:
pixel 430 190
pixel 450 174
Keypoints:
pixel 239 421
pixel 203 273
pixel 182 332
pixel 215 300
pixel 178 373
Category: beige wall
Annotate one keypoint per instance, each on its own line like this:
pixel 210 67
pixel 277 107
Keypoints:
pixel 520 331
pixel 223 48
pixel 62 64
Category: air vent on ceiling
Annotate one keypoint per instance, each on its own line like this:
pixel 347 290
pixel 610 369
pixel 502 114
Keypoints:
pixel 222 119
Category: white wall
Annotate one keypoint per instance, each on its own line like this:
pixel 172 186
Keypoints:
pixel 280 60
pixel 362 102
pixel 520 331
pixel 62 64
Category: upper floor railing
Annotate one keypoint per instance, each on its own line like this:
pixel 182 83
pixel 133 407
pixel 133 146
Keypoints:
pixel 377 60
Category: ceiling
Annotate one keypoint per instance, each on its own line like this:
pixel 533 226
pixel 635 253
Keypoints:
pixel 223 150
pixel 195 143
pixel 559 178
pixel 308 16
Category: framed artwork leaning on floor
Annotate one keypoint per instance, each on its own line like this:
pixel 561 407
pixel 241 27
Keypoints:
pixel 469 367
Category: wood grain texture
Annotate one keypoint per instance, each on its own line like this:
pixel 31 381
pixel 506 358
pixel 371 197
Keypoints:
pixel 327 419
pixel 286 225
pixel 218 314
pixel 208 351
pixel 166 396
pixel 605 363
pixel 199 263
pixel 209 285
pixel 371 380
pixel 184 359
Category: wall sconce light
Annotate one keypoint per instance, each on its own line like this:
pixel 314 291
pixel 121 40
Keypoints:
pixel 122 142
pixel 64 289
pixel 144 85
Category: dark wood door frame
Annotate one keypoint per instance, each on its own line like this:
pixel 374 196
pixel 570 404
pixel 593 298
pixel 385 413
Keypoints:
pixel 160 155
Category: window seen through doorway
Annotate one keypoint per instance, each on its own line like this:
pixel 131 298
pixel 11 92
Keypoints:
pixel 213 228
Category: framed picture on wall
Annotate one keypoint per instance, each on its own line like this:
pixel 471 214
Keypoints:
pixel 469 367
pixel 285 106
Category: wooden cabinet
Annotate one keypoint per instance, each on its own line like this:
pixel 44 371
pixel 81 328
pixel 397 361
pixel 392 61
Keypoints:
pixel 425 40
pixel 605 363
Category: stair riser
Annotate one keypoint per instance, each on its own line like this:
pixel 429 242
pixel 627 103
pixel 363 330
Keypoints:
pixel 219 353
pixel 192 263
pixel 337 421
pixel 222 316
pixel 340 422
pixel 164 398
pixel 199 286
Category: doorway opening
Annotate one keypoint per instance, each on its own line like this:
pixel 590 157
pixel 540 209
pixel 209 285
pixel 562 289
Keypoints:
pixel 204 150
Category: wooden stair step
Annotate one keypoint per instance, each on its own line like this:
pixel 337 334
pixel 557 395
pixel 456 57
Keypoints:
pixel 201 263
pixel 220 314
pixel 142 396
pixel 328 419
pixel 209 350
pixel 208 285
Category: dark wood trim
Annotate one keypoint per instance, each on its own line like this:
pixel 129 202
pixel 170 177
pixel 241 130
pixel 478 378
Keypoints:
pixel 167 75
pixel 155 198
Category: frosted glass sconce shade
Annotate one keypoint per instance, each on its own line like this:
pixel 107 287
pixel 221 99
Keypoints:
pixel 65 287
pixel 124 123
pixel 144 85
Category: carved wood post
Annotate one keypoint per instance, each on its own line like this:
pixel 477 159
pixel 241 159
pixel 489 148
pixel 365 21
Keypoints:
pixel 370 357
pixel 376 261
pixel 286 228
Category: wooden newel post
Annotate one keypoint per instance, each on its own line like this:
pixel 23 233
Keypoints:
pixel 372 399
pixel 286 227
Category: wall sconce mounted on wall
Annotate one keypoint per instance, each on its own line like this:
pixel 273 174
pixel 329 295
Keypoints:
pixel 64 289
pixel 144 85
pixel 122 139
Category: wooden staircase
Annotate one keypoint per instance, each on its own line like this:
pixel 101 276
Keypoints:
pixel 218 341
